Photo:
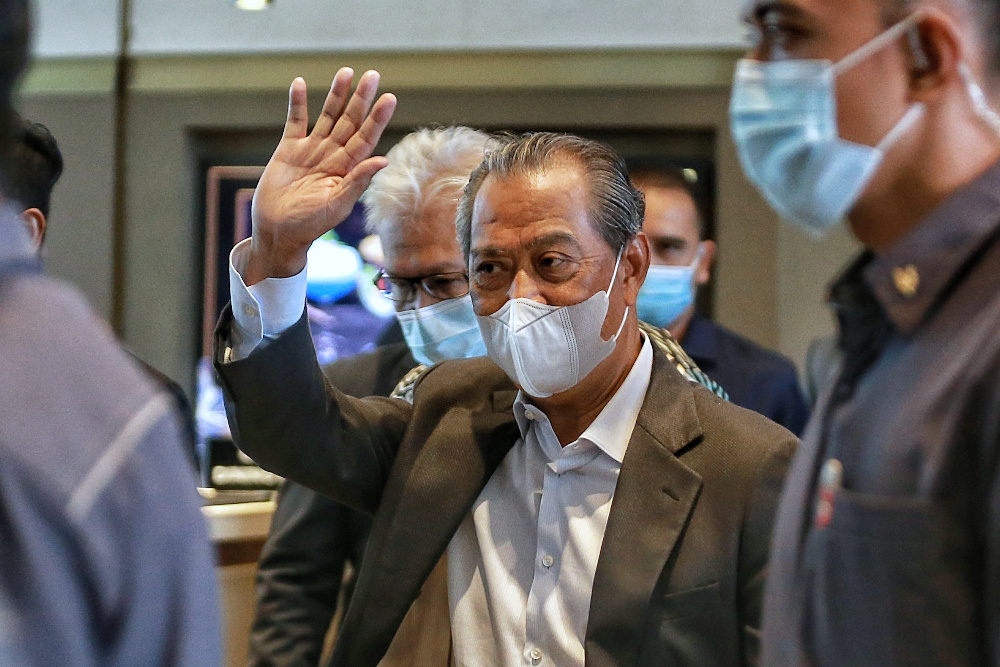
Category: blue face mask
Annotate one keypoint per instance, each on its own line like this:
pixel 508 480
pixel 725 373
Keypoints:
pixel 784 122
pixel 667 292
pixel 445 330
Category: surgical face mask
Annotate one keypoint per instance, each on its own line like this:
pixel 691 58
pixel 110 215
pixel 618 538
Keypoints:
pixel 667 292
pixel 445 330
pixel 784 122
pixel 549 349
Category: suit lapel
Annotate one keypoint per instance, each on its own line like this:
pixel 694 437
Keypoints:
pixel 440 482
pixel 653 498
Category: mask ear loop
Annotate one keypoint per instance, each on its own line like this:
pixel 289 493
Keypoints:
pixel 876 44
pixel 978 97
pixel 905 124
pixel 614 275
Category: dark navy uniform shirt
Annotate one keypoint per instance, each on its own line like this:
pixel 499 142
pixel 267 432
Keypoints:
pixel 755 378
pixel 887 543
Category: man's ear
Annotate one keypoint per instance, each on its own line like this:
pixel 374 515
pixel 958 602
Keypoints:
pixel 34 222
pixel 636 262
pixel 935 47
pixel 704 272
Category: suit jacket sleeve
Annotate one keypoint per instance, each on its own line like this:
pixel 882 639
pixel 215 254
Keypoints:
pixel 312 538
pixel 286 416
pixel 758 524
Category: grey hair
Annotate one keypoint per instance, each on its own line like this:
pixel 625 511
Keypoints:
pixel 616 207
pixel 425 164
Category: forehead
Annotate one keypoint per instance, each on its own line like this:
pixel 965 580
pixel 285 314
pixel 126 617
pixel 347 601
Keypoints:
pixel 670 212
pixel 426 243
pixel 513 210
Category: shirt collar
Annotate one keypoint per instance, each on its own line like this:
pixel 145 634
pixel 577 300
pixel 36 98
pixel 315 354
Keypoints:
pixel 911 277
pixel 612 429
pixel 15 243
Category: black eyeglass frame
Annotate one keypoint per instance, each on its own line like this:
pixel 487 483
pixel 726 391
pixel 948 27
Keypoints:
pixel 413 284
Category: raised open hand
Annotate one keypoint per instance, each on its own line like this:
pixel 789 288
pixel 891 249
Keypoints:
pixel 314 178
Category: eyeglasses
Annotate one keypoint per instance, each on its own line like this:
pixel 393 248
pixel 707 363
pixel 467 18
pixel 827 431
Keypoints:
pixel 440 286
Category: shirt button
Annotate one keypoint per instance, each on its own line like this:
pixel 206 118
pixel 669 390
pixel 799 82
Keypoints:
pixel 548 561
pixel 529 415
pixel 249 311
pixel 536 655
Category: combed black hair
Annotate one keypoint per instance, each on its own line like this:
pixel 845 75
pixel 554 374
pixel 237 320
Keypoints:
pixel 14 36
pixel 33 166
pixel 616 207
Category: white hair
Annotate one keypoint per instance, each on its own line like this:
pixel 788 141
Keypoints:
pixel 426 164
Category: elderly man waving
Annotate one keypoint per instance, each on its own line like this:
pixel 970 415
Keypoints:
pixel 596 508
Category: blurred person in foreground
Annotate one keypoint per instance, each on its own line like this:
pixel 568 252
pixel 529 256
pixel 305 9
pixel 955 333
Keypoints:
pixel 887 547
pixel 104 557
pixel 509 464
pixel 681 260
pixel 411 206
pixel 33 168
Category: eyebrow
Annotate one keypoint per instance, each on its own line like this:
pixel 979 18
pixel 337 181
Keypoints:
pixel 545 241
pixel 756 10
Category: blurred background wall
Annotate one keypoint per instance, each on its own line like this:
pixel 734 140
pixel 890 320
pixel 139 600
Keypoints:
pixel 208 82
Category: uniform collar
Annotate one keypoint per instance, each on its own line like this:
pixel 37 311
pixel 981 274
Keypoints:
pixel 612 429
pixel 911 277
pixel 701 342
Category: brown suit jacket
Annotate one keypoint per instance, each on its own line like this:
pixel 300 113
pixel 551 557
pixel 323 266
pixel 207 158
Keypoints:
pixel 682 567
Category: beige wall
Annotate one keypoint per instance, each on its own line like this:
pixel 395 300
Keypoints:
pixel 769 283
pixel 78 242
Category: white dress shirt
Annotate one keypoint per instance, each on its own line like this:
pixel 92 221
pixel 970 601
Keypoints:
pixel 521 565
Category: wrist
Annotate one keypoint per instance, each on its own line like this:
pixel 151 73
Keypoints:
pixel 265 261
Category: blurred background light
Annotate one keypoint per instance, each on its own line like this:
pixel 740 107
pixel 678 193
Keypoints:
pixel 252 5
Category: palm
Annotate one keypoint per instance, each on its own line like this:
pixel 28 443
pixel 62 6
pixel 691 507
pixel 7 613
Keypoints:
pixel 314 178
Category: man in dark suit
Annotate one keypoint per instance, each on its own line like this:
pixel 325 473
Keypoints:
pixel 411 206
pixel 681 261
pixel 515 485
pixel 883 113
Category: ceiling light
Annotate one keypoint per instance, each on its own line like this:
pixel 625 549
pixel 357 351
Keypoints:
pixel 252 5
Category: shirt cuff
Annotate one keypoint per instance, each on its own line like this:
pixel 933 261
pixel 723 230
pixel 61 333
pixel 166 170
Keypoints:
pixel 262 311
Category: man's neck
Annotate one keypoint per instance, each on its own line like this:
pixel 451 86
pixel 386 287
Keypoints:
pixel 957 155
pixel 572 411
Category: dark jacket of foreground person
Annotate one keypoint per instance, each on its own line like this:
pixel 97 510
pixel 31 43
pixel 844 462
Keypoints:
pixel 682 567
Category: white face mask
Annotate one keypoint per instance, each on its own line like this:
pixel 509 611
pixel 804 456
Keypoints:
pixel 549 349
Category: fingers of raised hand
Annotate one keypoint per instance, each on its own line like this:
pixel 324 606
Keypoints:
pixel 357 108
pixel 336 100
pixel 297 121
pixel 363 142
